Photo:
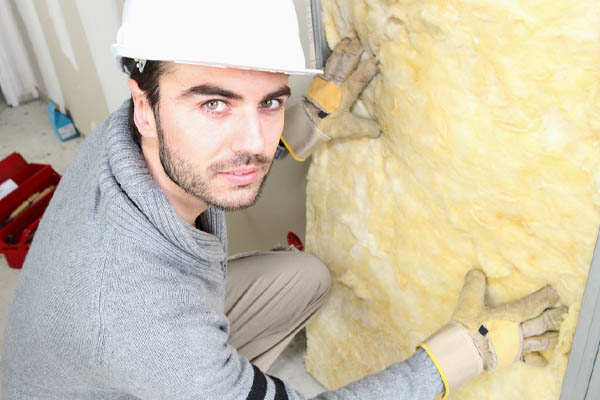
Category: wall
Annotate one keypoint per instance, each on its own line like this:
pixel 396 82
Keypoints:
pixel 39 55
pixel 16 76
pixel 69 42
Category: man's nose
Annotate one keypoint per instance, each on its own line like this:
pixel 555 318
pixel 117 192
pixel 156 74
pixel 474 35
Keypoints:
pixel 250 135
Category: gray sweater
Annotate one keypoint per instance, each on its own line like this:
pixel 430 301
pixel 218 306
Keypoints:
pixel 119 298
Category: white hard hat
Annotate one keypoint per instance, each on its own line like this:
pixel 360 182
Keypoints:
pixel 248 34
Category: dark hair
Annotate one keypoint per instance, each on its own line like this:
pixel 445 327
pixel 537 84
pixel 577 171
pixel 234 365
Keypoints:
pixel 148 83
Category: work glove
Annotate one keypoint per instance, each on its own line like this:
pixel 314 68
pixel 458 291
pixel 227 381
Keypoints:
pixel 480 337
pixel 325 111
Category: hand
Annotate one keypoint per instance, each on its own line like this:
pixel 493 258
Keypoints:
pixel 481 337
pixel 325 112
pixel 330 97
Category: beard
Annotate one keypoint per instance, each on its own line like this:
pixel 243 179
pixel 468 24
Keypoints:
pixel 183 174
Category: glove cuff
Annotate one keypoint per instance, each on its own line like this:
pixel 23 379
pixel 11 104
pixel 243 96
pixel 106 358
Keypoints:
pixel 455 355
pixel 300 136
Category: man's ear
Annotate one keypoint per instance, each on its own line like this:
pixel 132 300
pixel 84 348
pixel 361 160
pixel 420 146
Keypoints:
pixel 143 116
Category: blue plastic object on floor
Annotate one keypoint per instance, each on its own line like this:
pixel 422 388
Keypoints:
pixel 63 126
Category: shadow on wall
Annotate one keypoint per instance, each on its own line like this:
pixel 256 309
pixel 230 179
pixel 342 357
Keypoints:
pixel 76 68
pixel 281 208
pixel 3 104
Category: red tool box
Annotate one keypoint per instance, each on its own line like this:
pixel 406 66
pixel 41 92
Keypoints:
pixel 33 193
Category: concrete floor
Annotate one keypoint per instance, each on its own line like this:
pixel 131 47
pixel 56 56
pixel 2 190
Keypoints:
pixel 26 130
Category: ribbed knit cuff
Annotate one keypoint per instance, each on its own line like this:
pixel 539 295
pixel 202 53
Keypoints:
pixel 454 353
pixel 430 375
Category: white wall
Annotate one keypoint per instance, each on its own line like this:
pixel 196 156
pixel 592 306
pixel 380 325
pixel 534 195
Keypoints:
pixel 70 41
pixel 41 51
pixel 100 37
pixel 16 76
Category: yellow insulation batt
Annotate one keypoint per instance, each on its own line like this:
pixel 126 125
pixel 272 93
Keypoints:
pixel 490 157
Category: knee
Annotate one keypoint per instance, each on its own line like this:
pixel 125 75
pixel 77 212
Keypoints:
pixel 307 278
pixel 316 273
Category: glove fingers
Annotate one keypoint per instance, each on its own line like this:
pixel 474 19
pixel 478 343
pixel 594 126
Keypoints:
pixel 549 320
pixel 472 295
pixel 534 358
pixel 340 48
pixel 355 47
pixel 343 61
pixel 336 56
pixel 356 83
pixel 542 342
pixel 528 307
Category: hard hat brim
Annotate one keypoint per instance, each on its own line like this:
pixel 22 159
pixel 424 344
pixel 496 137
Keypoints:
pixel 121 51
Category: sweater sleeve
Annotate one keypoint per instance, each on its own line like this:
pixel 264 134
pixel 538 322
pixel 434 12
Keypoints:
pixel 180 352
pixel 160 338
pixel 416 378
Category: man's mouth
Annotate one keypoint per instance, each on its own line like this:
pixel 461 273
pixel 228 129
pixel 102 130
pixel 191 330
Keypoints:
pixel 241 176
pixel 240 172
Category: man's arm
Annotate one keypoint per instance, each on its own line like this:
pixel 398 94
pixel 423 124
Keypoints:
pixel 161 340
pixel 415 378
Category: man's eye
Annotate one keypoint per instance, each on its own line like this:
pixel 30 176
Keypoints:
pixel 272 103
pixel 215 105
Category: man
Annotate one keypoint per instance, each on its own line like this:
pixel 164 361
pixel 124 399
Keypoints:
pixel 127 292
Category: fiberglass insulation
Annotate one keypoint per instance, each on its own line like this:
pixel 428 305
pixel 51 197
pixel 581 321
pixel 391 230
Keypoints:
pixel 490 157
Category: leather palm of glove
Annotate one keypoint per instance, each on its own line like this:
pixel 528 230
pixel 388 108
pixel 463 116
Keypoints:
pixel 328 102
pixel 480 337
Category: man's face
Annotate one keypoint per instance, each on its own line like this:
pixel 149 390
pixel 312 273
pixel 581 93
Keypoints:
pixel 218 130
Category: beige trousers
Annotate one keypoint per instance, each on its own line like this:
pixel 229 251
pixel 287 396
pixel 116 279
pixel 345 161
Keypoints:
pixel 270 296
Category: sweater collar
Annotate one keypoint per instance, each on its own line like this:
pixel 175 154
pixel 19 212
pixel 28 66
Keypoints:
pixel 131 172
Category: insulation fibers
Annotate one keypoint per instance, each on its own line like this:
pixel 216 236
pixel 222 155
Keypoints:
pixel 489 158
